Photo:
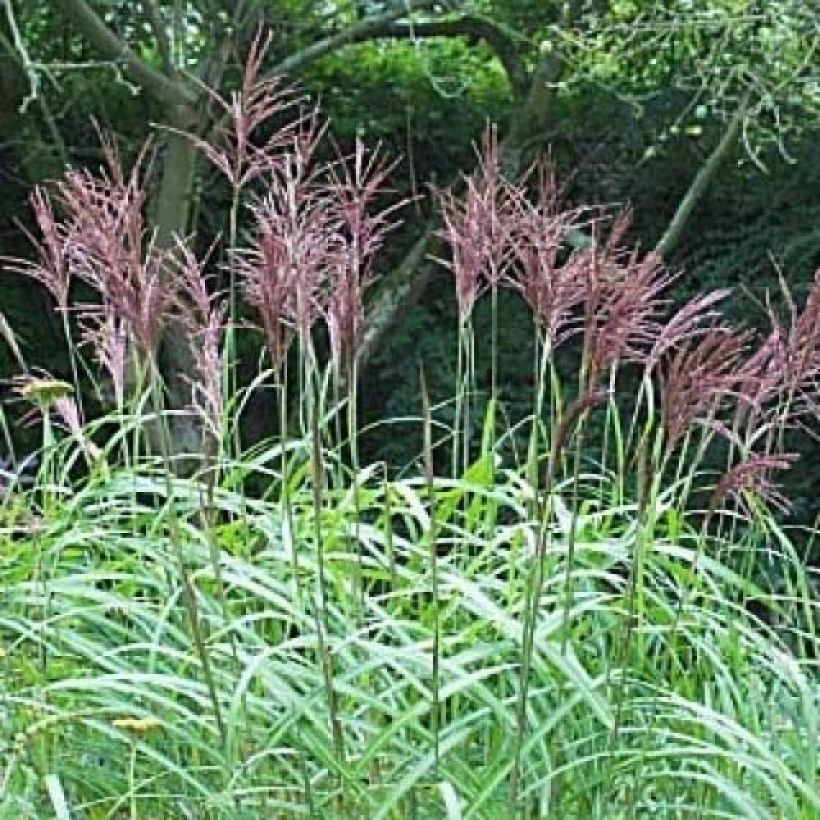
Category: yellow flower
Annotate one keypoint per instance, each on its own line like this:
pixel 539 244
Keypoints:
pixel 138 724
pixel 44 391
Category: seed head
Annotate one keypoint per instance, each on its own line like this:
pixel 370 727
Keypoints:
pixel 752 478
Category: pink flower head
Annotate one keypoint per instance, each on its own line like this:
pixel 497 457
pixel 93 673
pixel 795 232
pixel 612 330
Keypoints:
pixel 50 268
pixel 360 230
pixel 477 227
pixel 240 151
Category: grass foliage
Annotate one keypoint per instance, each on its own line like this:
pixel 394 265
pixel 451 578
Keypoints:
pixel 671 700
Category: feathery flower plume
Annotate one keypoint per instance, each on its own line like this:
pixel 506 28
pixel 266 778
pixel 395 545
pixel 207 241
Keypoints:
pixel 495 199
pixel 462 232
pixel 50 268
pixel 267 279
pixel 351 194
pixel 697 316
pixel 203 316
pixel 761 381
pixel 630 312
pixel 802 371
pixel 538 232
pixel 624 302
pixel 107 246
pixel 752 476
pixel 292 240
pixel 107 334
pixel 476 228
pixel 698 377
pixel 781 382
pixel 238 149
pixel 101 239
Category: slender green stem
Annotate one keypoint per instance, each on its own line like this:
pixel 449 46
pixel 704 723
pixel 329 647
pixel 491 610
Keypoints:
pixel 575 504
pixel 460 420
pixel 353 443
pixel 231 357
pixel 284 479
pixel 188 591
pixel 494 348
pixel 72 359
pixel 322 616
pixel 433 556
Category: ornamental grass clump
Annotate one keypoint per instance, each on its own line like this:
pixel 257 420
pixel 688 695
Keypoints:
pixel 610 301
pixel 284 631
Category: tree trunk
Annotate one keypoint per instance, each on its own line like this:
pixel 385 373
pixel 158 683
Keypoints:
pixel 172 214
pixel 529 120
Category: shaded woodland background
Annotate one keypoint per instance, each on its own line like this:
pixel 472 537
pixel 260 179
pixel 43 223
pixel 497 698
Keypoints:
pixel 700 114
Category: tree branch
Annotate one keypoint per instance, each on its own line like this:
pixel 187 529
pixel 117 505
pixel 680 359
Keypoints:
pixel 367 29
pixel 15 69
pixel 701 183
pixel 154 17
pixel 386 25
pixel 501 41
pixel 163 89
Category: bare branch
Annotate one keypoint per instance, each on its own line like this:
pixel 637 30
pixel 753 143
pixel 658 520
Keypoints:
pixel 154 17
pixel 165 90
pixel 20 64
pixel 701 183
pixel 18 49
pixel 499 39
pixel 367 29
pixel 387 25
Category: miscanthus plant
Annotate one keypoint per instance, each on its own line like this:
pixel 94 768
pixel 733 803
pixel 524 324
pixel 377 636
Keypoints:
pixel 602 624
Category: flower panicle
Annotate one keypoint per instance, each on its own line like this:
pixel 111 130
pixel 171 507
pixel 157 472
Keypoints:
pixel 538 234
pixel 353 189
pixel 698 377
pixel 697 316
pixel 50 268
pixel 204 317
pixel 803 357
pixel 239 149
pixel 102 240
pixel 625 301
pixel 753 477
pixel 477 227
